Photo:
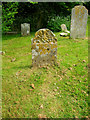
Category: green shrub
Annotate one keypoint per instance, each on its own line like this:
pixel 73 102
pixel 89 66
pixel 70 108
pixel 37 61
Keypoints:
pixel 9 10
pixel 55 22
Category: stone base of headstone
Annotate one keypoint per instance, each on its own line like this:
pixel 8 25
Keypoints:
pixel 63 34
pixel 44 54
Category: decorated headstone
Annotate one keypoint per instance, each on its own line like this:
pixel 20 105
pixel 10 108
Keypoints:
pixel 44 48
pixel 25 29
pixel 78 22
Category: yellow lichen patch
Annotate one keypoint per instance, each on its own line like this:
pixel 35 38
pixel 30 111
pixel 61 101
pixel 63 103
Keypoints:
pixel 33 46
pixel 45 36
pixel 79 12
pixel 76 10
pixel 49 51
pixel 83 10
pixel 44 51
pixel 40 46
pixel 46 45
pixel 41 52
pixel 53 57
pixel 52 46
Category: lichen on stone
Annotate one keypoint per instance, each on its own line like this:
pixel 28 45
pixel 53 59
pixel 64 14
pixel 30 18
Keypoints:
pixel 44 48
pixel 43 36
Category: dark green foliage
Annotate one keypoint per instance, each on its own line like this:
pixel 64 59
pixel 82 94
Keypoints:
pixel 55 22
pixel 37 14
pixel 9 10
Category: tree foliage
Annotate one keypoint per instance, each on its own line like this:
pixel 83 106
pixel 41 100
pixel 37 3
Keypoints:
pixel 9 10
pixel 37 15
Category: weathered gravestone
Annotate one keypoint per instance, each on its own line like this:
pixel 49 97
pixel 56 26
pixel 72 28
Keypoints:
pixel 44 48
pixel 63 27
pixel 78 22
pixel 25 29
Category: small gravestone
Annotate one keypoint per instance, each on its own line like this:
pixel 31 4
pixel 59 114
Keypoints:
pixel 78 22
pixel 44 48
pixel 65 31
pixel 63 27
pixel 25 29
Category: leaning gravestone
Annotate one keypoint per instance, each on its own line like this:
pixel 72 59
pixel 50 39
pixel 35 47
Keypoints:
pixel 25 29
pixel 44 48
pixel 78 22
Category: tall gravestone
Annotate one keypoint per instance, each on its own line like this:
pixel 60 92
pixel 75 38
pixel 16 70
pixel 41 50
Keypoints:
pixel 25 29
pixel 78 22
pixel 44 48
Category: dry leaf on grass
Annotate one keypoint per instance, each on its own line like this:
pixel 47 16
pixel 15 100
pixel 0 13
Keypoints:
pixel 41 106
pixel 84 61
pixel 18 73
pixel 32 85
pixel 2 52
pixel 13 59
pixel 41 116
pixel 30 89
pixel 55 90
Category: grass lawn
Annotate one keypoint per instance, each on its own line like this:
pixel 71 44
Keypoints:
pixel 61 90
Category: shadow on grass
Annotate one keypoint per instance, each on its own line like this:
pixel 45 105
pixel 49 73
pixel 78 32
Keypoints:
pixel 9 37
pixel 25 67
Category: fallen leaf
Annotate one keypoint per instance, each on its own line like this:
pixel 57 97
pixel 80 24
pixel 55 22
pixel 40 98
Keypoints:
pixel 57 87
pixel 41 106
pixel 33 86
pixel 84 61
pixel 87 117
pixel 70 68
pixel 76 117
pixel 74 77
pixel 74 65
pixel 18 73
pixel 66 54
pixel 13 59
pixel 55 90
pixel 54 83
pixel 42 116
pixel 16 102
pixel 60 78
pixel 2 52
pixel 35 79
pixel 30 89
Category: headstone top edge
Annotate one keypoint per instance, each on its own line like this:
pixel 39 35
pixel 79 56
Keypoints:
pixel 25 23
pixel 79 6
pixel 44 35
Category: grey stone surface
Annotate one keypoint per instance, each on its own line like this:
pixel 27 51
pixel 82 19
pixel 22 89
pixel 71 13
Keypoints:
pixel 25 29
pixel 78 22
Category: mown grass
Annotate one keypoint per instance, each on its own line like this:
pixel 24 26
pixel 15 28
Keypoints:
pixel 61 90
